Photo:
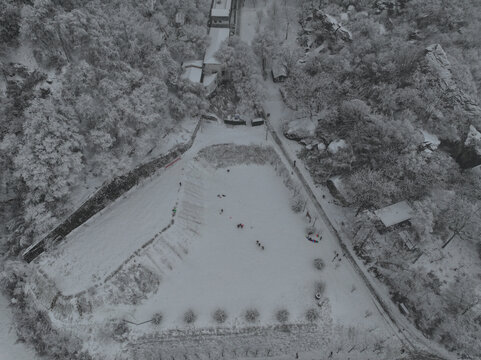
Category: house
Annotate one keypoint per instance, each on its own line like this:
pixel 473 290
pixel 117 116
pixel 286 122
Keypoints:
pixel 393 215
pixel 279 71
pixel 210 84
pixel 179 19
pixel 431 142
pixel 217 37
pixel 220 14
pixel 336 187
pixel 192 71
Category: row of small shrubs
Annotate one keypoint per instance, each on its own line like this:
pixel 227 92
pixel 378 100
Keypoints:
pixel 251 315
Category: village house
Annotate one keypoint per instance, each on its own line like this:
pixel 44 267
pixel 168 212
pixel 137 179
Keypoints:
pixel 390 216
pixel 220 14
pixel 279 71
pixel 217 37
pixel 192 70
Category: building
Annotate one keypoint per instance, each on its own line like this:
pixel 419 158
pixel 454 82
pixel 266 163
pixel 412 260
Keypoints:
pixel 220 13
pixel 217 37
pixel 179 19
pixel 210 83
pixel 396 214
pixel 192 71
pixel 279 71
pixel 336 187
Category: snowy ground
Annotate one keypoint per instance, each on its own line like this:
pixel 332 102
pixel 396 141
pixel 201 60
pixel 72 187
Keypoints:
pixel 99 246
pixel 204 261
pixel 226 268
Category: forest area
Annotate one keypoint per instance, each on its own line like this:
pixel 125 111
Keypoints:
pixel 101 87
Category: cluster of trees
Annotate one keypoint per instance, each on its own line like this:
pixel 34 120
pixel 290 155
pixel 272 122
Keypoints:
pixel 243 73
pixel 375 94
pixel 115 92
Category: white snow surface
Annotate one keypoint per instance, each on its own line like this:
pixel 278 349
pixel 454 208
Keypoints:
pixel 217 37
pixel 395 213
pixel 223 266
pixel 431 140
pixel 98 247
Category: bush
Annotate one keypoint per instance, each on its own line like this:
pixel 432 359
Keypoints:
pixel 319 264
pixel 282 316
pixel 190 316
pixel 251 315
pixel 312 315
pixel 319 287
pixel 157 318
pixel 120 330
pixel 297 203
pixel 220 316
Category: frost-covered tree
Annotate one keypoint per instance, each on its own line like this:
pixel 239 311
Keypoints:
pixel 241 66
pixel 49 160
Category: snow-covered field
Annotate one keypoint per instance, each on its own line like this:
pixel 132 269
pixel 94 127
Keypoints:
pixel 225 268
pixel 203 261
pixel 99 246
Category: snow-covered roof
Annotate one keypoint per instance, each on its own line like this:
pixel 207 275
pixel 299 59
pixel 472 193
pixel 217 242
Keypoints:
pixel 217 36
pixel 222 4
pixel 394 214
pixel 430 140
pixel 278 69
pixel 220 12
pixel 194 63
pixel 209 79
pixel 192 73
pixel 180 18
pixel 210 83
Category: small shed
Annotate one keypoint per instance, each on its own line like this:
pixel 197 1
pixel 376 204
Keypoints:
pixel 217 37
pixel 179 18
pixel 335 185
pixel 279 71
pixel 257 121
pixel 394 214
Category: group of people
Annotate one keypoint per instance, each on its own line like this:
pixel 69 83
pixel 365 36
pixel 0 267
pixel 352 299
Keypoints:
pixel 259 244
pixel 310 237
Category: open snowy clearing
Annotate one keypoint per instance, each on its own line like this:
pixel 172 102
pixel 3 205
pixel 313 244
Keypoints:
pixel 226 268
pixel 203 261
pixel 99 246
